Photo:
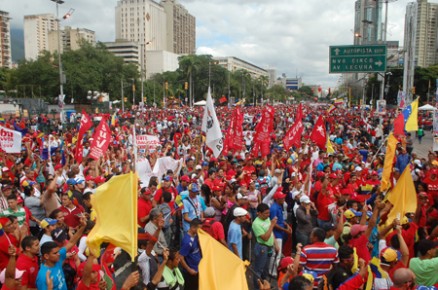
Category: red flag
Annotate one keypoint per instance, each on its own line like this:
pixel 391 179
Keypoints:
pixel 85 125
pixel 223 100
pixel 234 135
pixel 101 140
pixel 293 136
pixel 399 125
pixel 263 130
pixel 319 135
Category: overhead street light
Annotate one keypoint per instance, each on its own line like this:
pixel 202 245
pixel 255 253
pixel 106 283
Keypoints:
pixel 61 75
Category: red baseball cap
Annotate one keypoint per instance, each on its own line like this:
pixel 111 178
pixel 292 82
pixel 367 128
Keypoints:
pixel 279 195
pixel 185 178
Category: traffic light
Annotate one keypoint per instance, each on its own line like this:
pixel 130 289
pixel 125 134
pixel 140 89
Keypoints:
pixel 186 86
pixel 166 86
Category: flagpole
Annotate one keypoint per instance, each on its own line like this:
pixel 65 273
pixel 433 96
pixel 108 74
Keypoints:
pixel 135 146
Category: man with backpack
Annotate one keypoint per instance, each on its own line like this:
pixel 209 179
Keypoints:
pixel 192 207
pixel 213 227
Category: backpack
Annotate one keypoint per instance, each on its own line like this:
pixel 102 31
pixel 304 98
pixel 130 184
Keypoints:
pixel 207 225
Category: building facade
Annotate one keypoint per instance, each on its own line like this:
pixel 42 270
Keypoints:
pixel 36 34
pixel 181 28
pixel 128 50
pixel 5 40
pixel 367 21
pixel 232 64
pixel 71 38
pixel 426 34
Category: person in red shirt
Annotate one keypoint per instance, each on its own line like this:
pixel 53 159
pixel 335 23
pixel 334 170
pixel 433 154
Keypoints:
pixel 10 277
pixel 431 181
pixel 71 212
pixel 28 261
pixel 323 200
pixel 216 229
pixel 166 186
pixel 6 240
pixel 144 206
pixel 408 232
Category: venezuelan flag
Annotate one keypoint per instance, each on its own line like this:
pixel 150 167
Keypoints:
pixel 113 120
pixel 410 114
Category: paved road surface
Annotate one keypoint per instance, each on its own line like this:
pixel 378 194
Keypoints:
pixel 426 145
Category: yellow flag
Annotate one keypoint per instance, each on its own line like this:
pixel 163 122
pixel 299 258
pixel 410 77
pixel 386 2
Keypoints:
pixel 389 162
pixel 403 196
pixel 115 203
pixel 412 121
pixel 219 268
pixel 329 146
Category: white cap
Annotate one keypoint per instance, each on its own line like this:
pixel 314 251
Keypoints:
pixel 358 169
pixel 241 196
pixel 238 211
pixel 304 199
pixel 198 167
pixel 295 194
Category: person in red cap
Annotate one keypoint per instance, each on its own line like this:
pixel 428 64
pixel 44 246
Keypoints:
pixel 184 182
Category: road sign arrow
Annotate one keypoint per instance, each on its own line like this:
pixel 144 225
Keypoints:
pixel 378 63
pixel 337 51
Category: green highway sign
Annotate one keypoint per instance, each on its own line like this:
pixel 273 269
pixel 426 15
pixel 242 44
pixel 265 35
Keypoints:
pixel 357 58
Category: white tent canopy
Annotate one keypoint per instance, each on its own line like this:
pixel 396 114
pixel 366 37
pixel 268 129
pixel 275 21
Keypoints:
pixel 427 108
pixel 200 103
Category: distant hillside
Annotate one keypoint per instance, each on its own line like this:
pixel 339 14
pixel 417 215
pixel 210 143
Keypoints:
pixel 17 44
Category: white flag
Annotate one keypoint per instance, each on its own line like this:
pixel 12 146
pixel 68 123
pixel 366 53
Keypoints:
pixel 211 127
pixel 10 140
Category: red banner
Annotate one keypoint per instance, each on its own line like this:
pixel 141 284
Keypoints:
pixel 319 134
pixel 293 136
pixel 263 131
pixel 85 125
pixel 234 136
pixel 101 140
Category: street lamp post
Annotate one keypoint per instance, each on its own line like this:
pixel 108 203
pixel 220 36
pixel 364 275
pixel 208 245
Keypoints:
pixel 61 77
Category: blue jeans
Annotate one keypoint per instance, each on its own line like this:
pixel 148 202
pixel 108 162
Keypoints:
pixel 262 255
pixel 322 223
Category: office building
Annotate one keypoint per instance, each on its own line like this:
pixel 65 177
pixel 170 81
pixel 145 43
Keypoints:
pixel 5 40
pixel 160 61
pixel 181 28
pixel 368 22
pixel 36 34
pixel 426 34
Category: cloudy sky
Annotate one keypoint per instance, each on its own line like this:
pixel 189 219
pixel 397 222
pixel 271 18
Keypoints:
pixel 291 36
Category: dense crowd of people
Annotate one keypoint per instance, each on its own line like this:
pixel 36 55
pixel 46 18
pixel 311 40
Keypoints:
pixel 305 218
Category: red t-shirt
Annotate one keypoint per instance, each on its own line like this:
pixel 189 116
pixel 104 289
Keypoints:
pixel 81 286
pixel 4 246
pixel 144 208
pixel 217 231
pixel 322 203
pixel 361 245
pixel 71 218
pixel 31 267
pixel 409 237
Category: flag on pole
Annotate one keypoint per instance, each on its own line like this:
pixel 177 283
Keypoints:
pixel 319 134
pixel 101 140
pixel 293 135
pixel 399 125
pixel 403 196
pixel 219 267
pixel 388 163
pixel 329 146
pixel 211 127
pixel 410 114
pixel 115 203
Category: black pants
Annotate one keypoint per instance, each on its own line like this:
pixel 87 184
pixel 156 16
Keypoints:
pixel 191 282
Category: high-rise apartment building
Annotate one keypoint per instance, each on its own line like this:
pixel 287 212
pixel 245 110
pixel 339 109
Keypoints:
pixel 5 40
pixel 165 26
pixel 36 34
pixel 426 34
pixel 71 38
pixel 368 22
pixel 181 28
